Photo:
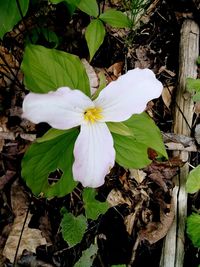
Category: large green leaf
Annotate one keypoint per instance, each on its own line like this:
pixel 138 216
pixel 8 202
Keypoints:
pixel 193 229
pixel 89 7
pixel 193 181
pixel 146 132
pixel 73 228
pixel 93 207
pixel 41 159
pixel 48 69
pixel 10 14
pixel 94 36
pixel 131 151
pixel 87 257
pixel 115 18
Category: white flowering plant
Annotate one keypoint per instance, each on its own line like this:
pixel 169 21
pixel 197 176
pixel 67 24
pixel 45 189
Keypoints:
pixel 88 136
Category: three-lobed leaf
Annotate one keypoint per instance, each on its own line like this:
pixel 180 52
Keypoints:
pixel 41 159
pixel 93 207
pixel 193 229
pixel 10 14
pixel 193 180
pixel 73 228
pixel 48 69
pixel 115 18
pixel 94 35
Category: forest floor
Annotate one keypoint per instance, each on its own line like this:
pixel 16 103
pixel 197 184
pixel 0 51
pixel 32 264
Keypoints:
pixel 132 230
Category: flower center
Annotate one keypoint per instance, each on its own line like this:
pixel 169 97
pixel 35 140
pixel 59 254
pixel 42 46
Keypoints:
pixel 93 114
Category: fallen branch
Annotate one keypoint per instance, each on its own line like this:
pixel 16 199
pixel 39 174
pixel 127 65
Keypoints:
pixel 173 246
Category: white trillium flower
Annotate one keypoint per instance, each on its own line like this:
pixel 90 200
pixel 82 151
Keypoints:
pixel 65 108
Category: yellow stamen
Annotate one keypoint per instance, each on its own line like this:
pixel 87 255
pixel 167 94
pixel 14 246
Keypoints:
pixel 93 114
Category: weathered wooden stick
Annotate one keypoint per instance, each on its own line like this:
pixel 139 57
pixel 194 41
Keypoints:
pixel 173 247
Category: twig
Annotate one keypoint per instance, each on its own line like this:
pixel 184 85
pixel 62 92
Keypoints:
pixel 18 245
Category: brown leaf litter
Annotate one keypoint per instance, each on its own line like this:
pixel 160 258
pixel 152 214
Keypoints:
pixel 21 237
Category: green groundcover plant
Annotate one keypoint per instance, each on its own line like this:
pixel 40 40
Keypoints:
pixel 89 132
pixel 88 136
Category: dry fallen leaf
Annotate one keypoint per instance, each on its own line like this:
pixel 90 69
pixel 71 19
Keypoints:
pixel 116 69
pixel 167 95
pixel 93 78
pixel 154 231
pixel 115 198
pixel 6 177
pixel 169 72
pixel 30 238
pixel 143 59
pixel 6 60
pixel 160 172
pixel 138 175
pixel 197 108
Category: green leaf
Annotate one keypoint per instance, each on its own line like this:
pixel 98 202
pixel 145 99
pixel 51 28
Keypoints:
pixel 119 128
pixel 87 257
pixel 94 36
pixel 73 228
pixel 48 69
pixel 41 159
pixel 146 132
pixel 193 85
pixel 131 151
pixel 91 8
pixel 51 134
pixel 10 14
pixel 193 180
pixel 93 207
pixel 115 18
pixel 193 229
pixel 50 36
pixel 198 60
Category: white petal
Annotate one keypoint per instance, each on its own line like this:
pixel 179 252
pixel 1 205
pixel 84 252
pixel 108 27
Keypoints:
pixel 128 95
pixel 62 109
pixel 94 154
